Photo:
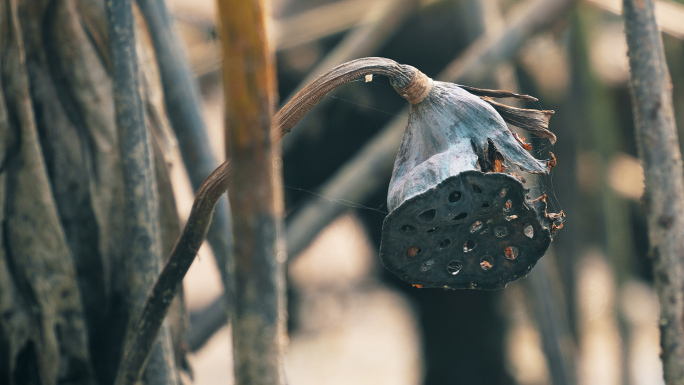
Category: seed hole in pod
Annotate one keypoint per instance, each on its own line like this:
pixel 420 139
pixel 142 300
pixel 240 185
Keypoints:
pixel 407 228
pixel 469 245
pixel 427 265
pixel 459 217
pixel 412 251
pixel 432 230
pixel 485 205
pixel 508 206
pixel 477 189
pixel 503 192
pixel 427 215
pixel 500 231
pixel 511 253
pixel 455 196
pixel 486 262
pixel 444 243
pixel 529 231
pixel 454 267
pixel 476 226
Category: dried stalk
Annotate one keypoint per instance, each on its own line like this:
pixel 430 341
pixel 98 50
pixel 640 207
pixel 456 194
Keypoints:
pixel 185 114
pixel 664 196
pixel 309 96
pixel 171 277
pixel 143 240
pixel 249 83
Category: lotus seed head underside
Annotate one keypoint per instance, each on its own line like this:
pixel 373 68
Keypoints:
pixel 474 230
pixel 458 219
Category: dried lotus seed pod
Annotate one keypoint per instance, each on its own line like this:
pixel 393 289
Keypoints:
pixel 459 215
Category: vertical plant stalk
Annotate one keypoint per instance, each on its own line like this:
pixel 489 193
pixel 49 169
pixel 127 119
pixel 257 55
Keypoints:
pixel 664 196
pixel 143 239
pixel 255 185
pixel 185 113
pixel 171 277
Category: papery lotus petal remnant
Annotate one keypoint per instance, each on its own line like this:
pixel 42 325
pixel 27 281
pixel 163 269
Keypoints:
pixel 459 215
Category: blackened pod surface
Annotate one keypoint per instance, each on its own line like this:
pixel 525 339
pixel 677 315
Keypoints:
pixel 472 231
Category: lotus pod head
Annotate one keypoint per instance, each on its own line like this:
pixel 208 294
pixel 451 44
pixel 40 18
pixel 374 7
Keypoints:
pixel 459 214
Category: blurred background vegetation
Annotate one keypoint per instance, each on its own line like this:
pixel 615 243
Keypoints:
pixel 586 314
